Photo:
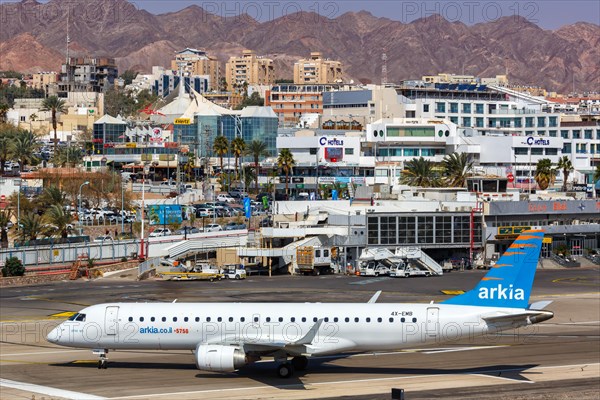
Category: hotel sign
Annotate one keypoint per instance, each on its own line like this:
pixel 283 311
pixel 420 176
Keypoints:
pixel 531 141
pixel 183 121
pixel 324 141
pixel 544 207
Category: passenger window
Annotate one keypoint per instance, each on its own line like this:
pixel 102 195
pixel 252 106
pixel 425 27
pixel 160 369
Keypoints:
pixel 174 319
pixel 414 320
pixel 315 319
pixel 164 319
pixel 219 319
pixel 230 319
pixel 152 319
pixel 379 319
pixel 130 319
pixel 185 319
pixel 280 319
pixel 303 319
pixel 356 319
pixel 402 319
pixel 368 319
pixel 141 319
pixel 197 319
pixel 207 319
pixel 242 319
pixel 391 319
pixel 292 319
pixel 268 319
pixel 347 319
pixel 335 319
pixel 255 319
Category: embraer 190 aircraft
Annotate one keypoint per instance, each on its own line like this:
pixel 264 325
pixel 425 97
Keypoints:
pixel 226 336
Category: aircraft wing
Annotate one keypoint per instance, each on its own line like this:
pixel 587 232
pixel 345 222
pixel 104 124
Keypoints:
pixel 527 316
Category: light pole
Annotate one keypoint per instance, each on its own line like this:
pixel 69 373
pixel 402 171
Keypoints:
pixel 122 206
pixel 142 249
pixel 18 182
pixel 79 209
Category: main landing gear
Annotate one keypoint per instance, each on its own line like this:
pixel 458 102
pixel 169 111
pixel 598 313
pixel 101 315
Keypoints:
pixel 286 369
pixel 103 361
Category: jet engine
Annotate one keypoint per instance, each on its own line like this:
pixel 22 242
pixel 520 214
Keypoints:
pixel 219 358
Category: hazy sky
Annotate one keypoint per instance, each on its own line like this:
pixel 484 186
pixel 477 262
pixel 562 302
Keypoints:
pixel 549 14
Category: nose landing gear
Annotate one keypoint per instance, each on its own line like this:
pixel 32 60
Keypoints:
pixel 103 361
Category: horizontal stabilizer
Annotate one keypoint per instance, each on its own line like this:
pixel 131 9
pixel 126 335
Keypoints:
pixel 518 318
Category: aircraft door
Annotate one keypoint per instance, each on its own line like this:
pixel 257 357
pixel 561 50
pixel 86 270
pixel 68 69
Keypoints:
pixel 433 321
pixel 111 321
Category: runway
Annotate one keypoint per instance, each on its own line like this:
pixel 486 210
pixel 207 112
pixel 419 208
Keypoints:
pixel 559 358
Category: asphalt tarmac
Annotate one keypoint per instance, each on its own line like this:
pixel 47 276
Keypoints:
pixel 559 358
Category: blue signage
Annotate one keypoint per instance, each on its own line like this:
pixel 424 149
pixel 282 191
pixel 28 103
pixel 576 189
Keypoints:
pixel 247 208
pixel 164 214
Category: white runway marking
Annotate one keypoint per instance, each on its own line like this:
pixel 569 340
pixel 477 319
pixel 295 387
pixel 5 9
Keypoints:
pixel 47 390
pixel 366 281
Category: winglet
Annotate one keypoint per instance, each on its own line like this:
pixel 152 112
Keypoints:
pixel 375 297
pixel 175 301
pixel 310 335
pixel 539 305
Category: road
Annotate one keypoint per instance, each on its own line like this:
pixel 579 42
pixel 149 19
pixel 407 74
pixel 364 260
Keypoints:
pixel 558 358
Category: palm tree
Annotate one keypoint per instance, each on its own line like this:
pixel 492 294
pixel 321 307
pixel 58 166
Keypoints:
pixel 238 148
pixel 54 105
pixel 58 222
pixel 25 144
pixel 457 168
pixel 286 162
pixel 221 147
pixel 3 111
pixel 52 195
pixel 257 149
pixel 419 172
pixel 566 166
pixel 6 144
pixel 5 216
pixel 70 156
pixel 31 227
pixel 544 173
pixel 249 176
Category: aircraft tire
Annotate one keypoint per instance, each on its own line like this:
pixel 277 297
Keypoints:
pixel 300 363
pixel 285 370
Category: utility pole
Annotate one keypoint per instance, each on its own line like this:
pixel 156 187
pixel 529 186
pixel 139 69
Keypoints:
pixel 206 161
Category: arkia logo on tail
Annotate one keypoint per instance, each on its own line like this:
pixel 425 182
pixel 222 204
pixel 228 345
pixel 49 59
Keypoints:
pixel 501 293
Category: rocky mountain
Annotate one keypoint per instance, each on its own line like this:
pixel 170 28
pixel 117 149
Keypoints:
pixel 138 39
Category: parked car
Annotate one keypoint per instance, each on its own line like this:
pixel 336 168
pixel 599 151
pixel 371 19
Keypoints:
pixel 187 230
pixel 158 232
pixel 225 198
pixel 234 271
pixel 234 226
pixel 204 212
pixel 103 238
pixel 213 228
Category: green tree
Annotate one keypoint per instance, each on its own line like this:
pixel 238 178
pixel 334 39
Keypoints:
pixel 13 267
pixel 58 222
pixel 55 106
pixel 4 107
pixel 253 100
pixel 286 162
pixel 31 227
pixel 238 148
pixel 128 76
pixel 249 176
pixel 25 145
pixel 257 149
pixel 419 172
pixel 221 147
pixel 5 216
pixel 7 134
pixel 565 165
pixel 70 156
pixel 456 168
pixel 52 195
pixel 544 173
pixel 597 173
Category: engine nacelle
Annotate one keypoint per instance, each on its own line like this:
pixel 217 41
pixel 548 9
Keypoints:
pixel 219 358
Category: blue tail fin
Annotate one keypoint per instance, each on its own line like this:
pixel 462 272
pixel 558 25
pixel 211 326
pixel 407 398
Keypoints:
pixel 509 282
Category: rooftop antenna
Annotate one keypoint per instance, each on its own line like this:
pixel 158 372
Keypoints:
pixel 384 73
pixel 68 60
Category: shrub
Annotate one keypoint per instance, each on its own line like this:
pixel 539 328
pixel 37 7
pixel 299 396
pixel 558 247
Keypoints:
pixel 123 259
pixel 13 267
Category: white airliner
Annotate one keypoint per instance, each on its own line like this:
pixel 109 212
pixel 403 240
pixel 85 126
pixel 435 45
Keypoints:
pixel 227 336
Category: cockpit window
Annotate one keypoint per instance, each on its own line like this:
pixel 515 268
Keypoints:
pixel 77 317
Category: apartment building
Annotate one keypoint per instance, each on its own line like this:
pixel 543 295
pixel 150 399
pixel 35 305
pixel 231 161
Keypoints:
pixel 41 80
pixel 317 70
pixel 87 74
pixel 249 69
pixel 194 62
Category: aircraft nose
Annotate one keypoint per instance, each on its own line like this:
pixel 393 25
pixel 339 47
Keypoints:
pixel 54 335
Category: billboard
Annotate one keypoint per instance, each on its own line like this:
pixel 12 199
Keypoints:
pixel 164 214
